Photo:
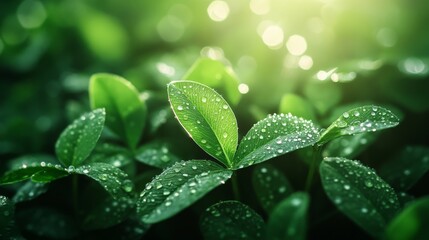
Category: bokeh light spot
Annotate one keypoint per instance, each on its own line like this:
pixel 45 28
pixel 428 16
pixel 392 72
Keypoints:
pixel 273 37
pixel 260 7
pixel 171 28
pixel 296 45
pixel 31 14
pixel 305 62
pixel 218 11
pixel 243 88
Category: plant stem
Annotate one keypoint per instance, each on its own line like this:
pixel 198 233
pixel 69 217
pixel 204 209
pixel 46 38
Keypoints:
pixel 75 193
pixel 235 189
pixel 313 165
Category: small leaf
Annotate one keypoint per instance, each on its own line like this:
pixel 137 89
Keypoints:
pixel 270 185
pixel 207 118
pixel 406 168
pixel 112 154
pixel 112 179
pixel 47 223
pixel 359 193
pixel 349 146
pixel 215 74
pixel 411 223
pixel 156 154
pixel 108 212
pixel 323 95
pixel 273 136
pixel 126 113
pixel 289 218
pixel 38 173
pixel 231 220
pixel 157 118
pixel 178 187
pixel 297 106
pixel 79 139
pixel 30 190
pixel 359 120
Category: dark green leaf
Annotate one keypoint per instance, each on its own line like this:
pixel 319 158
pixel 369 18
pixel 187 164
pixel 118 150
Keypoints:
pixel 297 106
pixel 156 154
pixel 289 218
pixel 112 179
pixel 231 220
pixel 273 136
pixel 215 74
pixel 406 168
pixel 126 113
pixel 349 146
pixel 359 120
pixel 270 185
pixel 79 139
pixel 130 229
pixel 207 118
pixel 178 187
pixel 108 212
pixel 158 117
pixel 47 223
pixel 411 223
pixel 359 193
pixel 38 173
pixel 30 190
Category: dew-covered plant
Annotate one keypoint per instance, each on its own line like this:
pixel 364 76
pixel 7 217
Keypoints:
pixel 376 202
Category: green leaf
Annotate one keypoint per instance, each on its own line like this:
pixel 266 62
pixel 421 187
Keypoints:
pixel 41 172
pixel 178 187
pixel 359 120
pixel 30 190
pixel 349 146
pixel 289 218
pixel 231 220
pixel 323 95
pixel 108 212
pixel 273 136
pixel 158 117
pixel 411 223
pixel 270 185
pixel 156 154
pixel 126 113
pixel 297 106
pixel 79 139
pixel 215 74
pixel 359 193
pixel 112 179
pixel 406 168
pixel 207 118
pixel 112 154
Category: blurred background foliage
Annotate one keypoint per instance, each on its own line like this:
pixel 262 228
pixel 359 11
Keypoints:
pixel 319 55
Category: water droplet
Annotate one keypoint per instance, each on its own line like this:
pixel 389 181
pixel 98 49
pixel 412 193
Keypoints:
pixel 158 185
pixel 356 113
pixel 204 100
pixel 347 187
pixel 225 106
pixel 127 185
pixel 225 135
pixel 70 169
pixel 180 107
pixel 166 192
pixel 346 115
pixel 407 172
pixel 368 183
pixel 341 124
pixel 203 141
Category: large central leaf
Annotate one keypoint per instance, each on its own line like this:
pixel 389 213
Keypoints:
pixel 207 118
pixel 273 136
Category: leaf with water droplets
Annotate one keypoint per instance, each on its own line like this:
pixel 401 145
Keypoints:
pixel 156 154
pixel 178 187
pixel 207 118
pixel 8 228
pixel 30 190
pixel 231 220
pixel 112 179
pixel 297 106
pixel 289 218
pixel 359 120
pixel 78 140
pixel 349 146
pixel 37 168
pixel 273 136
pixel 270 185
pixel 403 171
pixel 411 223
pixel 214 73
pixel 359 193
pixel 112 154
pixel 47 223
pixel 108 212
pixel 126 112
